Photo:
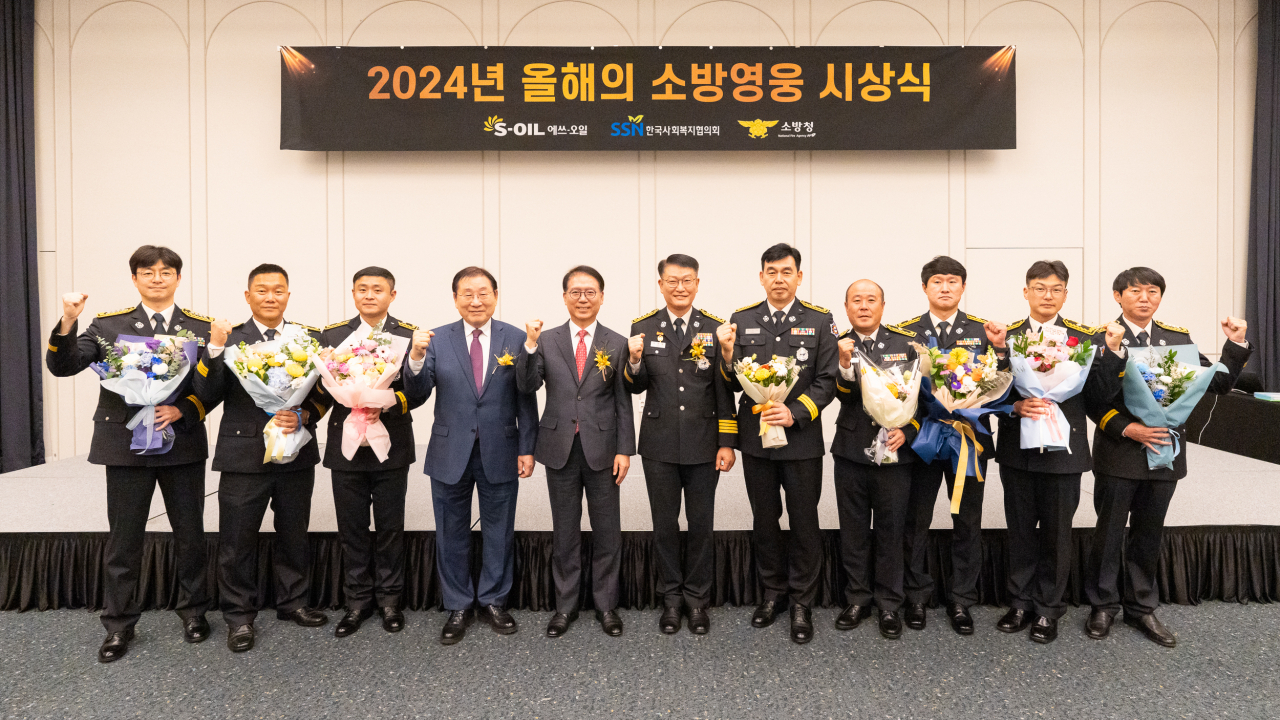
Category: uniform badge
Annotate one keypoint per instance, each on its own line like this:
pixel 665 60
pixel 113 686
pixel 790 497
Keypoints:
pixel 1162 342
pixel 802 331
pixel 138 324
pixel 662 324
pixel 893 357
pixel 697 324
pixel 881 346
pixel 928 332
pixel 659 336
pixel 834 331
pixel 704 338
pixel 177 327
pixel 791 319
pixel 802 354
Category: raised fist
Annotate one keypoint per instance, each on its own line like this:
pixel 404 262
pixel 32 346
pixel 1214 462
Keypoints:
pixel 635 346
pixel 532 330
pixel 218 333
pixel 846 346
pixel 1115 336
pixel 727 334
pixel 73 305
pixel 995 333
pixel 1234 327
pixel 421 341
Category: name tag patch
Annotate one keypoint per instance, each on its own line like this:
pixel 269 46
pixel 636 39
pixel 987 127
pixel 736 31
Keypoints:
pixel 753 331
pixel 802 331
pixel 657 344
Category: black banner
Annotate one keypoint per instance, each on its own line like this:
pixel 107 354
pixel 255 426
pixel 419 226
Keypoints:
pixel 647 98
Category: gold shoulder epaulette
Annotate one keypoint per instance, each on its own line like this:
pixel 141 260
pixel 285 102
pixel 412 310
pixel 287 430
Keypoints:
pixel 340 323
pixel 233 327
pixel 975 318
pixel 1172 328
pixel 1078 327
pixel 197 316
pixel 713 317
pixel 811 306
pixel 900 331
pixel 309 327
pixel 649 314
pixel 748 307
pixel 846 332
pixel 1015 323
pixel 408 326
pixel 908 322
pixel 113 313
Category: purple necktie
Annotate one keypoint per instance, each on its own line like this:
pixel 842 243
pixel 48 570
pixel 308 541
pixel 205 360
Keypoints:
pixel 477 361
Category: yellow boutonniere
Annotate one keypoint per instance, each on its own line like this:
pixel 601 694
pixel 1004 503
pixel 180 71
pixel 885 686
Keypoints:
pixel 504 359
pixel 698 355
pixel 602 362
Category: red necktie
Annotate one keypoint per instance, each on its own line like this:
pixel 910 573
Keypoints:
pixel 581 354
pixel 477 360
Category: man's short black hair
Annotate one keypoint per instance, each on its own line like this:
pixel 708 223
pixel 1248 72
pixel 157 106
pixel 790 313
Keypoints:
pixel 779 252
pixel 943 265
pixel 1042 269
pixel 148 255
pixel 582 270
pixel 267 269
pixel 1137 276
pixel 375 271
pixel 474 271
pixel 677 260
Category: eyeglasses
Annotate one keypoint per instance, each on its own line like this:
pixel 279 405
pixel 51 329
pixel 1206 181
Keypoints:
pixel 165 275
pixel 578 294
pixel 483 296
pixel 681 283
pixel 1040 290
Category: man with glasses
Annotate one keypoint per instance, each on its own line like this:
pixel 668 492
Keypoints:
pixel 687 436
pixel 586 438
pixel 481 443
pixel 131 477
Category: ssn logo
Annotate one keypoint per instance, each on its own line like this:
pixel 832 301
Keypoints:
pixel 500 128
pixel 634 127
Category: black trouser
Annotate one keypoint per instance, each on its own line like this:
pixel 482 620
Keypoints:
pixel 242 503
pixel 129 491
pixel 1039 559
pixel 371 567
pixel 860 490
pixel 565 488
pixel 665 481
pixel 786 570
pixel 1143 505
pixel 966 535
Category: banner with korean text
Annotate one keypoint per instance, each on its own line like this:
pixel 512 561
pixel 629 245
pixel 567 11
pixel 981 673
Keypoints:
pixel 647 98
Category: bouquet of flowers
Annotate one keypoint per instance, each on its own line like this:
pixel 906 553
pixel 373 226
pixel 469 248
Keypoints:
pixel 964 388
pixel 1161 387
pixel 278 374
pixel 1052 366
pixel 890 396
pixel 768 384
pixel 146 372
pixel 358 373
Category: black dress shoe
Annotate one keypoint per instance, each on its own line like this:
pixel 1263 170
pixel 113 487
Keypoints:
pixel 699 621
pixel 890 625
pixel 1014 621
pixel 195 629
pixel 1044 630
pixel 915 616
pixel 498 619
pixel 961 620
pixel 560 623
pixel 1099 625
pixel 350 622
pixel 115 646
pixel 669 621
pixel 240 638
pixel 1151 626
pixel 304 616
pixel 392 618
pixel 610 622
pixel 801 624
pixel 852 617
pixel 765 614
pixel 455 628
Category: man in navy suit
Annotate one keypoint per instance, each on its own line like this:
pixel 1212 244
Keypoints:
pixel 586 438
pixel 483 440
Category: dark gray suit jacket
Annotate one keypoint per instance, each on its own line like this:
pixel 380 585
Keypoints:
pixel 599 405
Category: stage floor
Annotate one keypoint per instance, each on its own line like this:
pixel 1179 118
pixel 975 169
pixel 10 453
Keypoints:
pixel 70 496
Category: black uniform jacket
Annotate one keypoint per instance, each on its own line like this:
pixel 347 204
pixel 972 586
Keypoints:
pixel 688 411
pixel 70 354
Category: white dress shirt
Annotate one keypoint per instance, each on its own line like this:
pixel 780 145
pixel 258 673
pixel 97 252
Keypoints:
pixel 950 320
pixel 167 313
pixel 1035 325
pixel 486 340
pixel 216 350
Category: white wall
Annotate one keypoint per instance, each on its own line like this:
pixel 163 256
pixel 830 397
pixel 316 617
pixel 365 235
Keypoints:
pixel 158 122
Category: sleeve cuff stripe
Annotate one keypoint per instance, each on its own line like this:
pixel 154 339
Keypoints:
pixel 1107 418
pixel 842 388
pixel 915 424
pixel 199 405
pixel 204 369
pixel 813 408
pixel 404 403
pixel 52 348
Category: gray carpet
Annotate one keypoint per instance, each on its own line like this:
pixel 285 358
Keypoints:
pixel 1224 667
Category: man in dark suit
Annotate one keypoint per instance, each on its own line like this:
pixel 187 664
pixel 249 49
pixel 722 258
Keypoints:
pixel 862 486
pixel 132 478
pixel 1126 490
pixel 943 280
pixel 248 484
pixel 784 326
pixel 687 437
pixel 482 442
pixel 586 438
pixel 1043 486
pixel 373 569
